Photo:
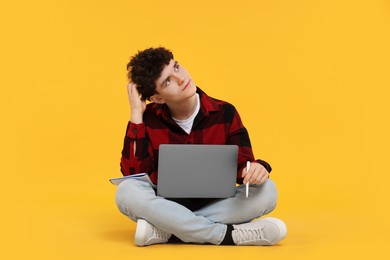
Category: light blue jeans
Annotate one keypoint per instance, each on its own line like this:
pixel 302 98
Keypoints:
pixel 137 199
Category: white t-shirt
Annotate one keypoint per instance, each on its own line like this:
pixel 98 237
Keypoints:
pixel 186 124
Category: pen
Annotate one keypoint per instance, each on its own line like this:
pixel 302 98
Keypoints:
pixel 248 166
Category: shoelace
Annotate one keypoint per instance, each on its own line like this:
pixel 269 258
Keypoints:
pixel 158 233
pixel 246 235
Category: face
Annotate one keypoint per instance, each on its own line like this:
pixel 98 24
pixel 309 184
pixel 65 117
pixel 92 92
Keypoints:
pixel 174 85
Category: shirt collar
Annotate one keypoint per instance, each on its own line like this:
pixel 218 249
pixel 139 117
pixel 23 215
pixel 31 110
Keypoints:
pixel 207 105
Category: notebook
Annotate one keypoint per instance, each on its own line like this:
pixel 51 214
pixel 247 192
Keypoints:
pixel 139 176
pixel 197 171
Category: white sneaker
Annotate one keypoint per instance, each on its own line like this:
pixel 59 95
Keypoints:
pixel 262 232
pixel 146 234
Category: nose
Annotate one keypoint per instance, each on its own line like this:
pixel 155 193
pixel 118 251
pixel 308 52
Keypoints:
pixel 180 79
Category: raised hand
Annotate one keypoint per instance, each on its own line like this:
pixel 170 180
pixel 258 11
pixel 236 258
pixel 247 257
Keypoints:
pixel 137 105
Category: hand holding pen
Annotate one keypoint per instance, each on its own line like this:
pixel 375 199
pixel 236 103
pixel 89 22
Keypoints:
pixel 254 173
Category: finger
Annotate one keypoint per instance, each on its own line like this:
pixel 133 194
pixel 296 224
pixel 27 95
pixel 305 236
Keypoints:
pixel 130 89
pixel 245 171
pixel 132 86
pixel 255 171
pixel 247 177
pixel 260 177
pixel 264 178
pixel 254 178
pixel 134 91
pixel 249 174
pixel 251 178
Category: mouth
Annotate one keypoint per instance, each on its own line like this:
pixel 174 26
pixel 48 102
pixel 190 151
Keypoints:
pixel 188 83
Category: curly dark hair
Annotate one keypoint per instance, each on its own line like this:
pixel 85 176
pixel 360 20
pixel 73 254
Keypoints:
pixel 145 68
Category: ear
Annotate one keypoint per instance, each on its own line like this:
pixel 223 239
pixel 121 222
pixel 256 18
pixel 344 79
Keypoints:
pixel 156 98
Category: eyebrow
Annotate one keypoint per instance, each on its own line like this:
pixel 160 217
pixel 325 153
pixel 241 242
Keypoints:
pixel 174 65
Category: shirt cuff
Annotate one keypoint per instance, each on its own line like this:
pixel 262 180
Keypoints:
pixel 266 165
pixel 135 130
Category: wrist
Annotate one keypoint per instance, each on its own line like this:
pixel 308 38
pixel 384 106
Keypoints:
pixel 136 117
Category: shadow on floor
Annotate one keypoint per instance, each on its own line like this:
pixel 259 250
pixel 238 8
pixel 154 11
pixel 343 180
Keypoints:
pixel 119 236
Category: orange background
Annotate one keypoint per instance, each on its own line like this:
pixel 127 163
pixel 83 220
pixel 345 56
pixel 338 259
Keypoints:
pixel 309 78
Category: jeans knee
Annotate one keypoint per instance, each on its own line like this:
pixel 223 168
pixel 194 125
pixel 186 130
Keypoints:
pixel 125 196
pixel 268 196
pixel 272 192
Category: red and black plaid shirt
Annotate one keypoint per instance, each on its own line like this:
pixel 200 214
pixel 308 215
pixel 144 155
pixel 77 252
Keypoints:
pixel 217 122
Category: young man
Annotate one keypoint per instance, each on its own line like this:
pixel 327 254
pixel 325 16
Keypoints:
pixel 181 113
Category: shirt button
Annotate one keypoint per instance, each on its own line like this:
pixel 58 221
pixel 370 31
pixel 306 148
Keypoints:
pixel 134 131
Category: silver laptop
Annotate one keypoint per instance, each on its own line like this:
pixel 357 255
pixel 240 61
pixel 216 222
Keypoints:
pixel 197 171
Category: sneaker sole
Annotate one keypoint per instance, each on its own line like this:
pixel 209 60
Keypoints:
pixel 140 232
pixel 282 227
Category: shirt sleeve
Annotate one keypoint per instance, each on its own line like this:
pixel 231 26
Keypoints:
pixel 238 135
pixel 137 153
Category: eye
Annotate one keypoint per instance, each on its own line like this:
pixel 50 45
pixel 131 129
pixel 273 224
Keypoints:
pixel 177 67
pixel 167 81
